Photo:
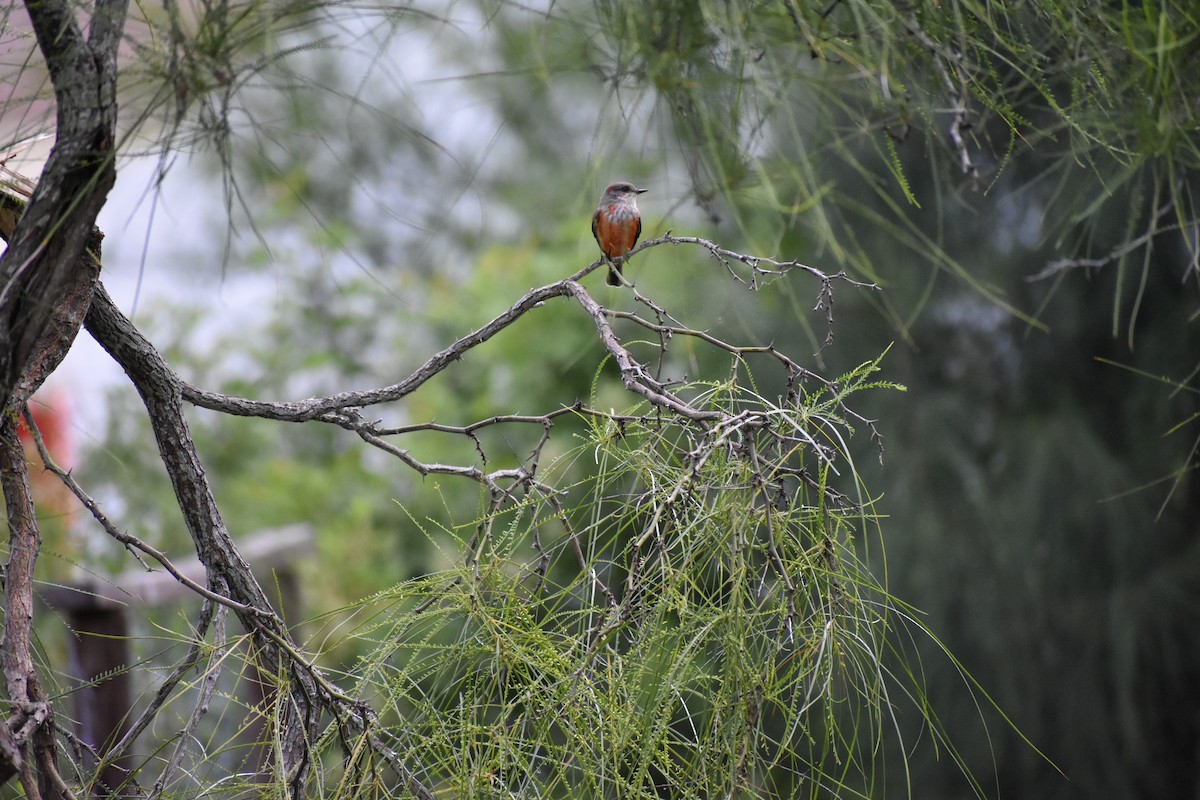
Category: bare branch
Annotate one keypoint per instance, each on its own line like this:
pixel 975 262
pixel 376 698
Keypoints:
pixel 755 263
pixel 635 375
pixel 1118 252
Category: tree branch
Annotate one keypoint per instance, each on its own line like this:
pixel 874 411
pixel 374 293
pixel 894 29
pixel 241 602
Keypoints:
pixel 31 719
pixel 1118 252
pixel 636 377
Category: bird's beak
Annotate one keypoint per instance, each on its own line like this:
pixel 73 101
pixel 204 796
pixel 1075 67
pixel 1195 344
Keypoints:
pixel 642 191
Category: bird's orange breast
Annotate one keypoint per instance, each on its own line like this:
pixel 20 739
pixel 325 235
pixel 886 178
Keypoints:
pixel 616 234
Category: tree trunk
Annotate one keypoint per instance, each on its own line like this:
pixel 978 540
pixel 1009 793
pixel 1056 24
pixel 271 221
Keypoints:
pixel 53 232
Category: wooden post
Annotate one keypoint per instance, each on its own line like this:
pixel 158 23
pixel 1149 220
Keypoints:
pixel 100 655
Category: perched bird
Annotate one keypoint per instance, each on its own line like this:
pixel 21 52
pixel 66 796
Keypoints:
pixel 617 224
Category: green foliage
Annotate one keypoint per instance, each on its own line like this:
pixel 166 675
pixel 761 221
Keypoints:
pixel 697 621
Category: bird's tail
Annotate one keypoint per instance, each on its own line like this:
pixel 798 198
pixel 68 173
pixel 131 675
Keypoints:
pixel 614 275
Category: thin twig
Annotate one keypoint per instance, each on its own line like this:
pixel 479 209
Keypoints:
pixel 1118 252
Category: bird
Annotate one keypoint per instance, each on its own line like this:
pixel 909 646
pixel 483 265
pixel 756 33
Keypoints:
pixel 617 224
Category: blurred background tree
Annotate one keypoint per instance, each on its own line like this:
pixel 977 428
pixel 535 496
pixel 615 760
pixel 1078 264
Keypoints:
pixel 1020 180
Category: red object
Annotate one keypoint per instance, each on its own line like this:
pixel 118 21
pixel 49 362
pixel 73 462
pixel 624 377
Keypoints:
pixel 53 419
pixel 51 414
pixel 617 224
